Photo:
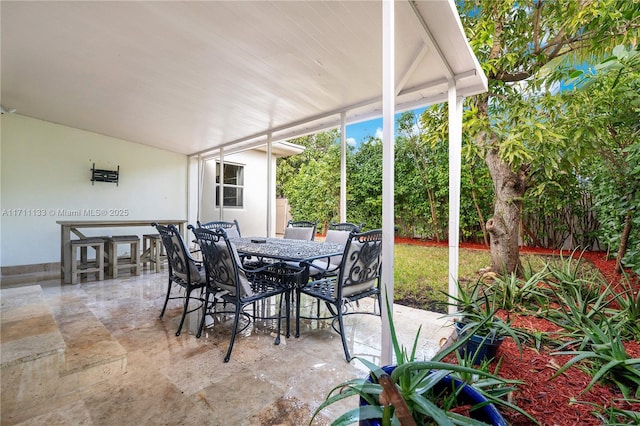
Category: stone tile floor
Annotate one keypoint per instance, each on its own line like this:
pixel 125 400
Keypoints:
pixel 96 353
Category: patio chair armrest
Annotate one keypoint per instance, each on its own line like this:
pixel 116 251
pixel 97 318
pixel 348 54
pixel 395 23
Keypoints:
pixel 321 270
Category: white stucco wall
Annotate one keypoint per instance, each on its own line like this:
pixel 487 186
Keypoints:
pixel 45 177
pixel 252 217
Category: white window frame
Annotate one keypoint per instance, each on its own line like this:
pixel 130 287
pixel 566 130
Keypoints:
pixel 239 185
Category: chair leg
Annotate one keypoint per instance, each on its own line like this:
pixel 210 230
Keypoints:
pixel 113 259
pixel 342 335
pixel 135 257
pixel 287 296
pixel 184 311
pixel 74 265
pixel 156 255
pixel 204 313
pixel 277 341
pixel 164 308
pixel 298 313
pixel 233 332
pixel 100 261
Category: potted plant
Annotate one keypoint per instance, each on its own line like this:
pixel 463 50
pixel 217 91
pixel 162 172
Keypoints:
pixel 415 392
pixel 476 321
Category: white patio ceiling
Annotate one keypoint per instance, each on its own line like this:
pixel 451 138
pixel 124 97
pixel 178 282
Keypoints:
pixel 194 76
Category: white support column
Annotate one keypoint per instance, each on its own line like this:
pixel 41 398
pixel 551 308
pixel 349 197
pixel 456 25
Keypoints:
pixel 388 128
pixel 194 187
pixel 221 187
pixel 455 161
pixel 343 166
pixel 269 183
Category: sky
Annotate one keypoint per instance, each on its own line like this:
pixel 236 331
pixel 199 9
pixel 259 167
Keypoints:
pixel 360 132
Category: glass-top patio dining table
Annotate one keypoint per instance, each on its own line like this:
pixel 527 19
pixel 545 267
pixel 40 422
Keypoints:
pixel 287 250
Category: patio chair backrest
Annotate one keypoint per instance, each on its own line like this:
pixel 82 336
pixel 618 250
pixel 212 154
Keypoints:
pixel 221 262
pixel 346 226
pixel 339 232
pixel 300 230
pixel 181 264
pixel 361 263
pixel 232 228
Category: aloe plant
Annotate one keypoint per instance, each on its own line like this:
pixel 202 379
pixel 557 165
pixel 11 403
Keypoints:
pixel 477 310
pixel 607 360
pixel 579 306
pixel 627 319
pixel 516 295
pixel 611 415
pixel 416 382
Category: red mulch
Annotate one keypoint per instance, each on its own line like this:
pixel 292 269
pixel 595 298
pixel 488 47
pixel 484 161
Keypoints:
pixel 551 401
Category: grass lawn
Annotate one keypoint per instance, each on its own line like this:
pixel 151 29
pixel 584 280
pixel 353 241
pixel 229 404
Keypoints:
pixel 421 273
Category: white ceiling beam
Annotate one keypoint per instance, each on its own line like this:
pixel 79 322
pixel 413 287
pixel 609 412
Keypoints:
pixel 418 55
pixel 429 39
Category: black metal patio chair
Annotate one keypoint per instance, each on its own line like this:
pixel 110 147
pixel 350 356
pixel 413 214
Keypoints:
pixel 184 271
pixel 231 228
pixel 358 277
pixel 337 233
pixel 228 281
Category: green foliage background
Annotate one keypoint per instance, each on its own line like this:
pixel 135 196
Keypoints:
pixel 578 147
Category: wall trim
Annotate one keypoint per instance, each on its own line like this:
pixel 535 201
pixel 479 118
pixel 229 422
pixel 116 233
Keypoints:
pixel 30 269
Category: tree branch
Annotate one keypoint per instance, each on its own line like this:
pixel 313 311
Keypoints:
pixel 536 26
pixel 508 77
pixel 495 49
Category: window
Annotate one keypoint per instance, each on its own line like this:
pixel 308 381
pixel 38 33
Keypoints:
pixel 233 185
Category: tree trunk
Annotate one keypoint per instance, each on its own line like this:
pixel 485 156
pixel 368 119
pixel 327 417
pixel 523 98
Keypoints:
pixel 624 241
pixel 434 216
pixel 480 217
pixel 503 227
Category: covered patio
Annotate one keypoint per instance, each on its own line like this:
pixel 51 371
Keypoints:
pixel 204 80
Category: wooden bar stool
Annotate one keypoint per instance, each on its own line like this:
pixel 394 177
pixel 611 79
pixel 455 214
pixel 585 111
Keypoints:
pixel 116 263
pixel 85 265
pixel 153 250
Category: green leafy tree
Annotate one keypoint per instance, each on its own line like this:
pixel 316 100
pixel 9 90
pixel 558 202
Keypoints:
pixel 431 166
pixel 364 203
pixel 316 146
pixel 475 191
pixel 518 43
pixel 476 194
pixel 311 180
pixel 603 113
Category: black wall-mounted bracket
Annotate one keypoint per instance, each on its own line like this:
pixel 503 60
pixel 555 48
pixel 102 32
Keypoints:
pixel 100 175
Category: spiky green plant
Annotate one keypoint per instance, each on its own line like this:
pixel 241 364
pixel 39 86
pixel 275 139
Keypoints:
pixel 611 415
pixel 415 380
pixel 605 360
pixel 477 310
pixel 516 295
pixel 627 319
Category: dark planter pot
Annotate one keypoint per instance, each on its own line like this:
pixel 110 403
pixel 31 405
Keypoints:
pixel 479 347
pixel 467 394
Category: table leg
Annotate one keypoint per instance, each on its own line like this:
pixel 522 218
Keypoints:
pixel 288 314
pixel 65 253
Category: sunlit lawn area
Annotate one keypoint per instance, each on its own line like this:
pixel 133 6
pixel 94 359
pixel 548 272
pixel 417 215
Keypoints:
pixel 421 273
